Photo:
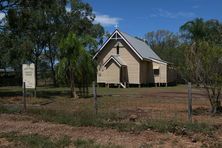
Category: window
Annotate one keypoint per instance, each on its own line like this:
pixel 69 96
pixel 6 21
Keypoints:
pixel 156 72
pixel 117 49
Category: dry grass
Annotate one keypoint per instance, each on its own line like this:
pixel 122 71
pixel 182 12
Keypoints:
pixel 152 103
pixel 154 108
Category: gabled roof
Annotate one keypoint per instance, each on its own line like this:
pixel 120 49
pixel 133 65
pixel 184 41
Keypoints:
pixel 117 59
pixel 140 48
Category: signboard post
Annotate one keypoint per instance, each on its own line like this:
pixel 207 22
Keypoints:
pixel 28 80
pixel 24 96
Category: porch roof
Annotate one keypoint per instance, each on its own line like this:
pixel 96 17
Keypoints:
pixel 119 61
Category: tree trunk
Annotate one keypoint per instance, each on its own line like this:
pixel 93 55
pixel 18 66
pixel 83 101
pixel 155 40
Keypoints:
pixel 87 87
pixel 36 72
pixel 83 86
pixel 52 66
pixel 216 108
pixel 214 97
pixel 72 85
pixel 53 75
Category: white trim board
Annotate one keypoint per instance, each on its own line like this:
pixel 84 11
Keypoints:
pixel 119 64
pixel 117 31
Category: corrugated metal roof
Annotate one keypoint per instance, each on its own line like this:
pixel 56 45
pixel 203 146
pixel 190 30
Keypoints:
pixel 141 47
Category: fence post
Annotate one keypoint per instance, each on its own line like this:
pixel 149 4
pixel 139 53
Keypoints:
pixel 24 96
pixel 95 97
pixel 35 92
pixel 189 101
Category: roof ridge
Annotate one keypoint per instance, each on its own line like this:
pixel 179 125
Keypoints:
pixel 133 37
pixel 142 47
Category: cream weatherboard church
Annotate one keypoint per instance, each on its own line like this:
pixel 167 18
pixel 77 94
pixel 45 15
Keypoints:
pixel 124 60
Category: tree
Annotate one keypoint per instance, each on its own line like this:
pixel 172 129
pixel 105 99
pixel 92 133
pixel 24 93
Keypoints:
pixel 194 31
pixel 54 23
pixel 70 50
pixel 164 43
pixel 86 72
pixel 28 23
pixel 45 22
pixel 5 5
pixel 203 57
pixel 13 52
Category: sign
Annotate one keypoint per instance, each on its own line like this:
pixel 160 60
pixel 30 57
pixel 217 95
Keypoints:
pixel 28 75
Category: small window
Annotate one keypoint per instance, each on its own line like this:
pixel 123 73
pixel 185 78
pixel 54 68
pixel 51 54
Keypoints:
pixel 156 72
pixel 117 49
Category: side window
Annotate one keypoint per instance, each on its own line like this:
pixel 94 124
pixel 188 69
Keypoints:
pixel 156 72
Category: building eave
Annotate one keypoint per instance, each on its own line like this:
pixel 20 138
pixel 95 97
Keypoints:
pixel 122 37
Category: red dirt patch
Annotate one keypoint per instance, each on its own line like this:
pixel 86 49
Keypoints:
pixel 27 125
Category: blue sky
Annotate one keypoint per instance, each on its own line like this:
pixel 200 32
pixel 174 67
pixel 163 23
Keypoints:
pixel 137 17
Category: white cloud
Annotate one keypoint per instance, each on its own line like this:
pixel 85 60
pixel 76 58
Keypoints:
pixel 106 20
pixel 172 15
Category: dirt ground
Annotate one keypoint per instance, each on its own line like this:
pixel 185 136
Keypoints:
pixel 27 125
pixel 156 103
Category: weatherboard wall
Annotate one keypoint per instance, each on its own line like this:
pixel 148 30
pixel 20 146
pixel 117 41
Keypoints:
pixel 126 54
pixel 162 77
pixel 112 72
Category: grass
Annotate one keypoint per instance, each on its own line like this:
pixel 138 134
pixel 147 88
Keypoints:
pixel 42 92
pixel 82 143
pixel 38 141
pixel 158 109
pixel 114 121
pixel 50 92
pixel 35 140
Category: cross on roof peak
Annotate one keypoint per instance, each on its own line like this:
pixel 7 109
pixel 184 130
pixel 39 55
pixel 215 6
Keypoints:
pixel 116 26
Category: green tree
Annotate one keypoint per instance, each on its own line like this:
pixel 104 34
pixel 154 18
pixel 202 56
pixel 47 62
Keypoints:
pixel 44 23
pixel 27 22
pixel 165 44
pixel 54 23
pixel 194 31
pixel 70 50
pixel 86 72
pixel 203 57
pixel 5 5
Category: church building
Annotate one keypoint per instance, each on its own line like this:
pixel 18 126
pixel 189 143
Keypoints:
pixel 124 60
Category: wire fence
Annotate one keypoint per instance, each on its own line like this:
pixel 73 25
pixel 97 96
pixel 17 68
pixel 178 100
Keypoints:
pixel 156 103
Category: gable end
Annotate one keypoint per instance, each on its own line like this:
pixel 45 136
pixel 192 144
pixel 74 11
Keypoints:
pixel 118 34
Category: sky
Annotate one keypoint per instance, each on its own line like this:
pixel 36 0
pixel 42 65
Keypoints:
pixel 138 17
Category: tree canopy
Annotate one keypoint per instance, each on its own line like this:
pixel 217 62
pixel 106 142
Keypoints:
pixel 34 29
